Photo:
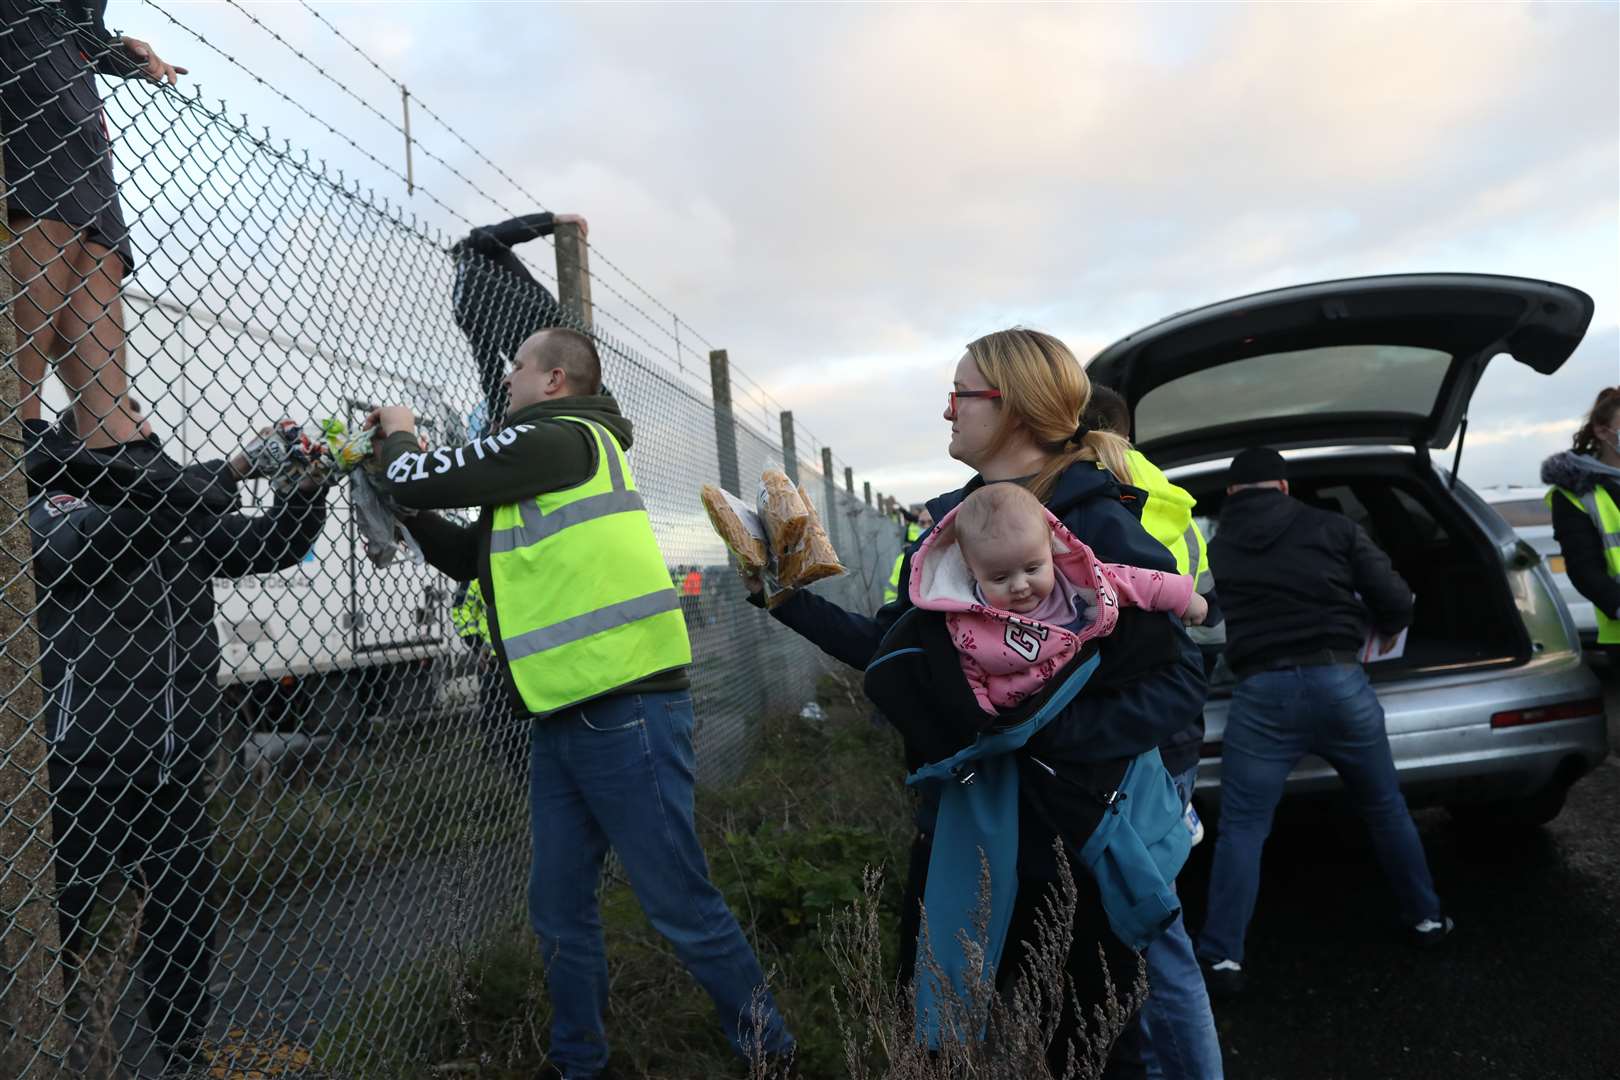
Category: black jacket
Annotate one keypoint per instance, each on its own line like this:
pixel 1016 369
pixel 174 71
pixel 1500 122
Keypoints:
pixel 1290 575
pixel 497 302
pixel 1577 534
pixel 1107 723
pixel 129 648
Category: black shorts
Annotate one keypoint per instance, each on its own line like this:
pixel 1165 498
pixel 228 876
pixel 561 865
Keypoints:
pixel 59 163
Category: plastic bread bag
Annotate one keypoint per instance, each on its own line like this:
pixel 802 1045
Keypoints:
pixel 376 516
pixel 782 512
pixel 738 525
pixel 814 558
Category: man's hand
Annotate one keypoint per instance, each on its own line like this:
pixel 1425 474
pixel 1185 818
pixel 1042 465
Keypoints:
pixel 391 419
pixel 1197 611
pixel 573 219
pixel 153 66
pixel 753 582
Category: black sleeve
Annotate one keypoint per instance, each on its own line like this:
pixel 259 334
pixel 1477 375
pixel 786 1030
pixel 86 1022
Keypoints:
pixel 1386 594
pixel 1582 547
pixel 235 545
pixel 448 547
pixel 1216 614
pixel 491 240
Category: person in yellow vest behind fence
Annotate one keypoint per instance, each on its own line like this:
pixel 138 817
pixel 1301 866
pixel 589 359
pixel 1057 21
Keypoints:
pixel 588 635
pixel 918 522
pixel 1585 503
pixel 506 729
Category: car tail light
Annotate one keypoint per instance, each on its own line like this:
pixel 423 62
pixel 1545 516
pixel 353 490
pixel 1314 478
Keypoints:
pixel 1569 710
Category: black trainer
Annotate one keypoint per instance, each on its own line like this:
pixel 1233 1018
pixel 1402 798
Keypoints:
pixel 1223 978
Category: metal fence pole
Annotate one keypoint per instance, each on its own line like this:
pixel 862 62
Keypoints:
pixel 866 491
pixel 574 273
pixel 849 480
pixel 30 979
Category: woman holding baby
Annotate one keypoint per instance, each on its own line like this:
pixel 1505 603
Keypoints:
pixel 1014 408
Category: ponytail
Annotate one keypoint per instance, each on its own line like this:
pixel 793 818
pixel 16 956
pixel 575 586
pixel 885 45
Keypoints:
pixel 1104 447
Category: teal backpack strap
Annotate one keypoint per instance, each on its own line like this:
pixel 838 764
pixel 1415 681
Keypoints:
pixel 978 812
pixel 1136 851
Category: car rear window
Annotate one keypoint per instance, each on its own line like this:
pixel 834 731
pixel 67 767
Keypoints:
pixel 1524 513
pixel 1400 379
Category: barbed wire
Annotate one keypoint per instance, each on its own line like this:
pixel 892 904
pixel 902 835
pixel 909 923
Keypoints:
pixel 606 312
pixel 445 124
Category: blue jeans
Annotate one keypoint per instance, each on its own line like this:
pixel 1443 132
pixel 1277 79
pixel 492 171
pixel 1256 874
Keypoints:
pixel 1180 1042
pixel 618 772
pixel 1277 717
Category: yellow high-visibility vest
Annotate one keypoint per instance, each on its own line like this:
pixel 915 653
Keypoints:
pixel 583 599
pixel 1598 505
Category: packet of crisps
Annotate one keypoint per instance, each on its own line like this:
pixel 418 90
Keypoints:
pixel 348 450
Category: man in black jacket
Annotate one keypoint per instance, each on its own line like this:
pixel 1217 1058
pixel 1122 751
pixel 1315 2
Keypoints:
pixel 498 303
pixel 130 656
pixel 1300 586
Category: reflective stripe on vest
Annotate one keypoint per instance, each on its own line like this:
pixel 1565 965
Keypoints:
pixel 1605 515
pixel 583 600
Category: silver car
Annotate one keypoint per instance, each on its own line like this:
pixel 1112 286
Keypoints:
pixel 1526 509
pixel 1489 710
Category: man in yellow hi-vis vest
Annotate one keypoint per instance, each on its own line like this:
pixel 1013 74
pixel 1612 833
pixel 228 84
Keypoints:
pixel 588 634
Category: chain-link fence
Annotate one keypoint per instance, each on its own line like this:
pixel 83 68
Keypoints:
pixel 251 774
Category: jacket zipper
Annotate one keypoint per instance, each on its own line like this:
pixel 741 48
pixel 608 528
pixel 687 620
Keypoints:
pixel 167 763
pixel 64 707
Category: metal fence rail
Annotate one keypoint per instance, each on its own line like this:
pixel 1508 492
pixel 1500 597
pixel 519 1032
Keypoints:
pixel 242 842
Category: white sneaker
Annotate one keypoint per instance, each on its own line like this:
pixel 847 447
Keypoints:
pixel 1194 825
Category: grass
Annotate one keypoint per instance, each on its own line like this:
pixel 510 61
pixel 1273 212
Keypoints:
pixel 393 799
pixel 788 844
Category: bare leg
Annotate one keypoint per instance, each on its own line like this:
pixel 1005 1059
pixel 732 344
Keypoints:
pixel 43 276
pixel 92 326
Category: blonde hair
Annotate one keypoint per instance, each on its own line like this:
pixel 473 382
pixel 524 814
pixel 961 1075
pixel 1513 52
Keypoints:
pixel 995 512
pixel 1044 393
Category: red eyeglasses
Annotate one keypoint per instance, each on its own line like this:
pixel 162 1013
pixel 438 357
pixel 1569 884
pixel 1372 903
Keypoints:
pixel 954 394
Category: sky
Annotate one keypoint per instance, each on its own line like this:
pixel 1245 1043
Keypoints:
pixel 843 197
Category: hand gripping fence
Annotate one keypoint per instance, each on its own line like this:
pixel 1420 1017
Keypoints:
pixel 253 786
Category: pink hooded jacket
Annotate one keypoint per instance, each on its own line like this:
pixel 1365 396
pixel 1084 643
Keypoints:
pixel 1007 657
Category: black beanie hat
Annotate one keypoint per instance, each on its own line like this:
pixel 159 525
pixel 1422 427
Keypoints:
pixel 1257 466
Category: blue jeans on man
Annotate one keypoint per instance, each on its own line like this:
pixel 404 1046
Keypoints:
pixel 1180 1040
pixel 1276 718
pixel 619 772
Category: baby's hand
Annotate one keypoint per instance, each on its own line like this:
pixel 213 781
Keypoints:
pixel 1197 611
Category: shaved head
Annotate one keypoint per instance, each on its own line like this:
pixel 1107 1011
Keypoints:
pixel 553 363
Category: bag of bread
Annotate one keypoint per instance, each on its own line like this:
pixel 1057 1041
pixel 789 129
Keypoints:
pixel 738 526
pixel 781 511
pixel 814 558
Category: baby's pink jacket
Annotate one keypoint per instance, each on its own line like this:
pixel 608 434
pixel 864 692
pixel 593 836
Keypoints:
pixel 1007 657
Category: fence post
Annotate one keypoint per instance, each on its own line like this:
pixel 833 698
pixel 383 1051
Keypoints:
pixel 574 273
pixel 725 422
pixel 31 990
pixel 829 481
pixel 849 480
pixel 867 492
pixel 790 448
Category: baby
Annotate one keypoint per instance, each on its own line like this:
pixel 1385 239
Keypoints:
pixel 1022 594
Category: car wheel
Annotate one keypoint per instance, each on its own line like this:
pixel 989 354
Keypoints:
pixel 1528 812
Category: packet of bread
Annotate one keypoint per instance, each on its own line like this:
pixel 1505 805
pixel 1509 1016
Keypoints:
pixel 814 558
pixel 781 511
pixel 738 525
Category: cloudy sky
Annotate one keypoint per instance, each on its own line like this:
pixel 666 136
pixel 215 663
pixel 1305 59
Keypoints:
pixel 842 197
